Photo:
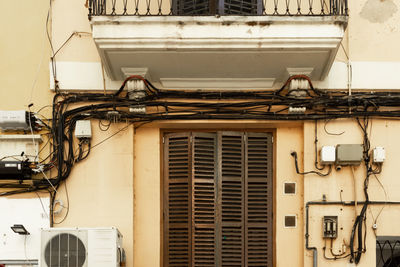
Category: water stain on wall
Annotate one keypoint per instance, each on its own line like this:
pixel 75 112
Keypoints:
pixel 378 11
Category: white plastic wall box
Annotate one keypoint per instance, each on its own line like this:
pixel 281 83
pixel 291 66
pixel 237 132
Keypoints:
pixel 83 129
pixel 378 154
pixel 328 155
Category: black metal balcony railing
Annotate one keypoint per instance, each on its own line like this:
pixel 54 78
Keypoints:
pixel 387 252
pixel 218 7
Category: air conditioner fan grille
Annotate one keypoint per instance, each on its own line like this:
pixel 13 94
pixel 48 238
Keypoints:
pixel 65 250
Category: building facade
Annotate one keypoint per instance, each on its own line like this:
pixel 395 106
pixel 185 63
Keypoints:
pixel 194 163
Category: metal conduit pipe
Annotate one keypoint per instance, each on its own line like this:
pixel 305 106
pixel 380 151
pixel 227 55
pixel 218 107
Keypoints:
pixel 314 249
pixel 343 203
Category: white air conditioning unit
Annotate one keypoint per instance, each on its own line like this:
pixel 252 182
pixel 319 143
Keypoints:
pixel 81 247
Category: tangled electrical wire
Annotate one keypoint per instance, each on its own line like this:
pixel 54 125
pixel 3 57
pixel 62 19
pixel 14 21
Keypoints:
pixel 154 104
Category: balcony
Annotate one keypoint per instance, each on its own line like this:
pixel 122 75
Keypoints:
pixel 217 43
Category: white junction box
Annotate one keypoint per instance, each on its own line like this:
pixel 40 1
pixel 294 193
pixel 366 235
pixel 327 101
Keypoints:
pixel 378 154
pixel 328 155
pixel 83 129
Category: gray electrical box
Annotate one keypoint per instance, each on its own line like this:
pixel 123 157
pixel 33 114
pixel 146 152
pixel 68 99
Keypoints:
pixel 16 120
pixel 349 154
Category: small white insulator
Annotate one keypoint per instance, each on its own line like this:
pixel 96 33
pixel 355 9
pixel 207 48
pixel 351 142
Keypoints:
pixel 298 87
pixel 297 110
pixel 138 109
pixel 296 84
pixel 136 89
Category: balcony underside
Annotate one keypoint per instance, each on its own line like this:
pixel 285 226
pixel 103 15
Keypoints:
pixel 215 52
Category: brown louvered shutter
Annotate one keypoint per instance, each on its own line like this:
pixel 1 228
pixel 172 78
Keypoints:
pixel 204 199
pixel 231 198
pixel 258 248
pixel 177 200
pixel 218 199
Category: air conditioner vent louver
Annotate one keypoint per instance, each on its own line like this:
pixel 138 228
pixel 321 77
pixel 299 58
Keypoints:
pixel 65 250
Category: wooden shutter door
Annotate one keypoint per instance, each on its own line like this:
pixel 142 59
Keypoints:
pixel 177 200
pixel 218 199
pixel 204 199
pixel 258 247
pixel 231 199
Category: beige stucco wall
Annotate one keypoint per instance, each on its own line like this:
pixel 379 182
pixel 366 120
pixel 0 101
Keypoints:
pixel 24 53
pixel 147 197
pixel 373 30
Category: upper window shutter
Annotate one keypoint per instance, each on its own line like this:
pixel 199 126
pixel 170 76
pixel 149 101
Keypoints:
pixel 204 180
pixel 212 7
pixel 258 208
pixel 240 7
pixel 231 198
pixel 192 7
pixel 177 201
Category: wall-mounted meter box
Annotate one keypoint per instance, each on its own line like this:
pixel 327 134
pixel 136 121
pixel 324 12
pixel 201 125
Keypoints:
pixel 328 155
pixel 349 154
pixel 330 227
pixel 378 154
pixel 83 129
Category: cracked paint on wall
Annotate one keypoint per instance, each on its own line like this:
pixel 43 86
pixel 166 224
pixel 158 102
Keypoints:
pixel 378 11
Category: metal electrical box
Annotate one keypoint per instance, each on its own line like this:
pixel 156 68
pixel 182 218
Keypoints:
pixel 330 226
pixel 14 120
pixel 349 154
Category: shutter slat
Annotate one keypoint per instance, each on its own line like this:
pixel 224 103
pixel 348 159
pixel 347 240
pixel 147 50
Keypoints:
pixel 259 200
pixel 231 198
pixel 204 199
pixel 177 200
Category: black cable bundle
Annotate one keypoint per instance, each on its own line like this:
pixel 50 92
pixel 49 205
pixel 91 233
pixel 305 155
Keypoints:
pixel 67 108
